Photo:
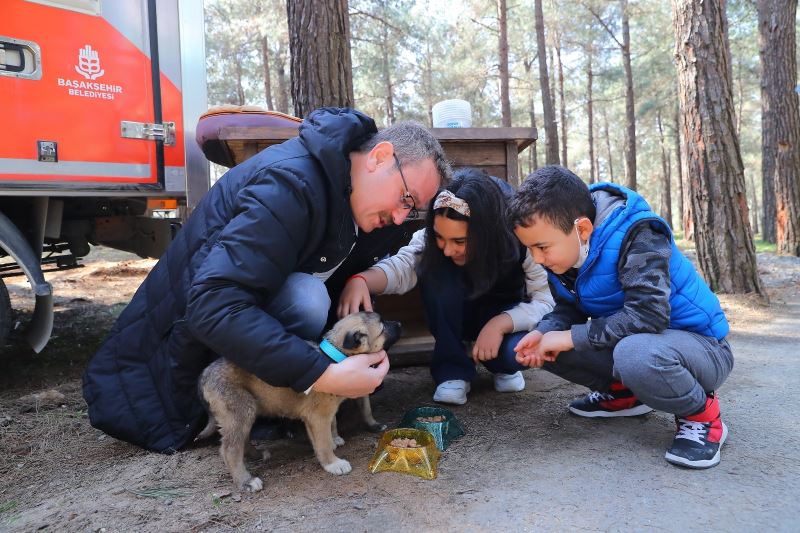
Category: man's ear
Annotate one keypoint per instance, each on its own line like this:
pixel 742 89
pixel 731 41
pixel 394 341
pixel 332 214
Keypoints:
pixel 585 228
pixel 381 153
pixel 352 340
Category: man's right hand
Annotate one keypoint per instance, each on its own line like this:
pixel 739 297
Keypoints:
pixel 354 377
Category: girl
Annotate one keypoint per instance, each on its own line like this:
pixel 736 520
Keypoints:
pixel 477 282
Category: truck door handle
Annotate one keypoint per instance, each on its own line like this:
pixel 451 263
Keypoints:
pixel 20 59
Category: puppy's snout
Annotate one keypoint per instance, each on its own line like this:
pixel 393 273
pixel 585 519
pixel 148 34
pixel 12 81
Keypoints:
pixel 392 330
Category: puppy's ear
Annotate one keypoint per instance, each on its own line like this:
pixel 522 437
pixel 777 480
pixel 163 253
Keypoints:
pixel 352 340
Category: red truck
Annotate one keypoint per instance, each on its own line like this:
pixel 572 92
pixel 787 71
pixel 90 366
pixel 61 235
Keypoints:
pixel 100 103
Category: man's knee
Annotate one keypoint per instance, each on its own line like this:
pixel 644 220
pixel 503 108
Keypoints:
pixel 302 305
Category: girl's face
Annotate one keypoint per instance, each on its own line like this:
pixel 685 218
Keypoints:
pixel 451 238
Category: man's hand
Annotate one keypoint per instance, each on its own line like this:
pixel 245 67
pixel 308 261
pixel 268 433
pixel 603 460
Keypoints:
pixel 354 377
pixel 487 345
pixel 355 295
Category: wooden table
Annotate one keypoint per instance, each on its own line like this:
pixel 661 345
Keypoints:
pixel 495 150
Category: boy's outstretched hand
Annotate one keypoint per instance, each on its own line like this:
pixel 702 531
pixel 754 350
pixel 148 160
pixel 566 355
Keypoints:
pixel 535 348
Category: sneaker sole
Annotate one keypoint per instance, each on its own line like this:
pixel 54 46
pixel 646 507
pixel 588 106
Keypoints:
pixel 699 465
pixel 633 411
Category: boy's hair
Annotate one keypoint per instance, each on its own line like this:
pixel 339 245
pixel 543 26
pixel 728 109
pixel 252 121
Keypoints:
pixel 491 245
pixel 552 193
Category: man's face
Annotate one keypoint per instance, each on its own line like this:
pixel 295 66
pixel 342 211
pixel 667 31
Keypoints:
pixel 379 196
pixel 550 246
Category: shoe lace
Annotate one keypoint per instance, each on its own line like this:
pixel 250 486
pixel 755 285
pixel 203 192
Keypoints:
pixel 694 431
pixel 597 397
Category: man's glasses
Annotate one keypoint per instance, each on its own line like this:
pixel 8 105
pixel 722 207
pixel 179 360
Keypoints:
pixel 406 201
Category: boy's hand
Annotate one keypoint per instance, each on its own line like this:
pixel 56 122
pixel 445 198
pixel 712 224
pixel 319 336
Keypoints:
pixel 555 342
pixel 526 348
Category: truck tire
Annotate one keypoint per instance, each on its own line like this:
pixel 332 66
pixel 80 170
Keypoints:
pixel 6 317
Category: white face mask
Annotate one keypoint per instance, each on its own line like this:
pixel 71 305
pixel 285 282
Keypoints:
pixel 583 251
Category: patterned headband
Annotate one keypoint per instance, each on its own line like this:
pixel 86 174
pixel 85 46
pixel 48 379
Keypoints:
pixel 448 199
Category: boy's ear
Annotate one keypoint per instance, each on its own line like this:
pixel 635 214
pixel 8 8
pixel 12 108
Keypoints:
pixel 585 228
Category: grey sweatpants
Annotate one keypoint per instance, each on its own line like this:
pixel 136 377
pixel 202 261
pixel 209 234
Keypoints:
pixel 671 371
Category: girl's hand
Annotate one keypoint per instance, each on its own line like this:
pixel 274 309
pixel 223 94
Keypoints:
pixel 487 345
pixel 355 295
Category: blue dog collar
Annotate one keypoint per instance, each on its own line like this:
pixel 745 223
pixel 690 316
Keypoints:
pixel 331 351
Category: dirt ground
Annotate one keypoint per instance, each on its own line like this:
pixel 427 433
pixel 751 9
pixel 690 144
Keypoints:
pixel 525 464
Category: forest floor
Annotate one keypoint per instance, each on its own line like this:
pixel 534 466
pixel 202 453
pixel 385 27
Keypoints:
pixel 524 463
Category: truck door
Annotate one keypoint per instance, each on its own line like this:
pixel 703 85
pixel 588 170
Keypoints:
pixel 83 95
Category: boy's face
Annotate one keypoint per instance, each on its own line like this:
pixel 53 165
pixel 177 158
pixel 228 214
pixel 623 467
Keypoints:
pixel 550 246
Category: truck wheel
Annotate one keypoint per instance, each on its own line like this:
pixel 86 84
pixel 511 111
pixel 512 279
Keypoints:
pixel 6 317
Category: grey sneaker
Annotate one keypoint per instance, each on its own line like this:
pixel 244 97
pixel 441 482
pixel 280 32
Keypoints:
pixel 452 391
pixel 509 382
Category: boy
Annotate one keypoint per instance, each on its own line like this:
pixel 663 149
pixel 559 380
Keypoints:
pixel 633 320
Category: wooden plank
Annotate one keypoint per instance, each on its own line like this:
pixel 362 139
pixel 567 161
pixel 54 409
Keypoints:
pixel 475 154
pixel 512 164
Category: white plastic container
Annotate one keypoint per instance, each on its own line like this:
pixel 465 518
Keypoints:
pixel 452 114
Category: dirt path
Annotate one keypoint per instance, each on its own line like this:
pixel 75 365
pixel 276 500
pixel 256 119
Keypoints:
pixel 525 464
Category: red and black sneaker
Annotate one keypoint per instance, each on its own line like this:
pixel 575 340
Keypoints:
pixel 698 438
pixel 619 401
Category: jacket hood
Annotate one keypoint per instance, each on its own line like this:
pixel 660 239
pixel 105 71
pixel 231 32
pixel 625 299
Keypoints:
pixel 331 133
pixel 606 200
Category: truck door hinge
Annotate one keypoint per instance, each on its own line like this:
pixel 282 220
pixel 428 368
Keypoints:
pixel 150 131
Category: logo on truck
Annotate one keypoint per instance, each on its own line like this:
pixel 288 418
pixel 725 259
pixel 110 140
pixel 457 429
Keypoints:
pixel 89 63
pixel 89 67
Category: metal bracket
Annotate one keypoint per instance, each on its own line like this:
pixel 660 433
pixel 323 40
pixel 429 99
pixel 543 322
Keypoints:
pixel 146 130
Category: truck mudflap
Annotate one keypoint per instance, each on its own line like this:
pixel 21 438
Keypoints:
pixel 41 325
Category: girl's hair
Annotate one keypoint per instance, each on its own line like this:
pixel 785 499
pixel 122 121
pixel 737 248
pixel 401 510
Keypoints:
pixel 491 245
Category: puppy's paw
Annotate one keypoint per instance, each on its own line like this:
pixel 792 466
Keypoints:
pixel 338 467
pixel 337 441
pixel 377 427
pixel 254 484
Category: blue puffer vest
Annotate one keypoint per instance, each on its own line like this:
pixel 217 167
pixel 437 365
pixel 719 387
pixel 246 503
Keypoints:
pixel 598 292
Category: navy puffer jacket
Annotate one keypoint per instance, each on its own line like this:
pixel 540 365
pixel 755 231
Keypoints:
pixel 284 210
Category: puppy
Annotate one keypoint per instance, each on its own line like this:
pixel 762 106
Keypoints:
pixel 235 398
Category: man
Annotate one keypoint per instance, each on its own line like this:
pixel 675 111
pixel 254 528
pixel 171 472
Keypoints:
pixel 244 277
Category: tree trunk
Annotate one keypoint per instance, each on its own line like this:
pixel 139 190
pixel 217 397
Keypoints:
pixel 428 82
pixel 665 204
pixel 561 103
pixel 630 113
pixel 388 86
pixel 267 76
pixel 550 127
pixel 590 114
pixel 713 162
pixel 283 88
pixel 239 71
pixel 755 212
pixel 319 41
pixel 608 146
pixel 505 101
pixel 684 204
pixel 780 123
pixel 534 160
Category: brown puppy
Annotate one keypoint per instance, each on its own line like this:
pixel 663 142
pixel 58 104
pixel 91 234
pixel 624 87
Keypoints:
pixel 235 398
